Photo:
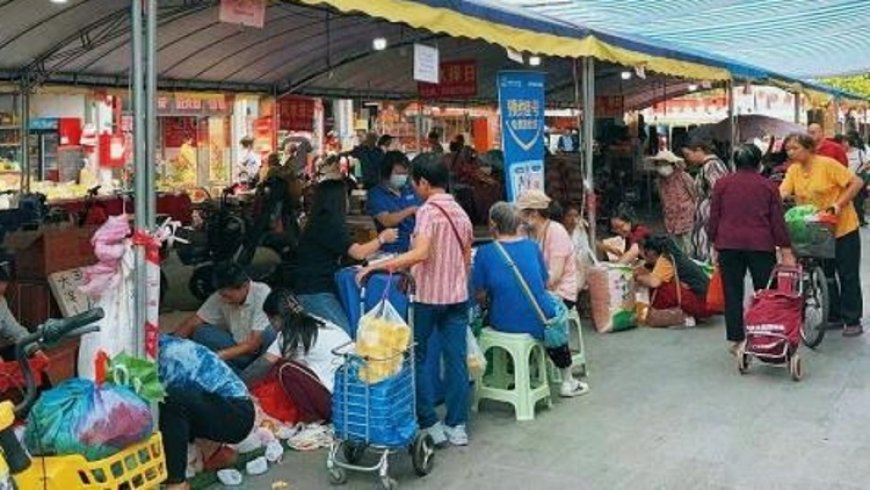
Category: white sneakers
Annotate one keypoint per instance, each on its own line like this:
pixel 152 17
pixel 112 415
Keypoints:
pixel 572 387
pixel 457 436
pixel 441 435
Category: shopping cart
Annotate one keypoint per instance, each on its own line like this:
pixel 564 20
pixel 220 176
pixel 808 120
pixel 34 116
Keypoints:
pixel 377 418
pixel 774 322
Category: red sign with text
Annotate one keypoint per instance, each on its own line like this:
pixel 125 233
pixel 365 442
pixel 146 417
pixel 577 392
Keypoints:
pixel 609 106
pixel 458 79
pixel 295 114
pixel 245 12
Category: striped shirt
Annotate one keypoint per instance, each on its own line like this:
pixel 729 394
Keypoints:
pixel 443 278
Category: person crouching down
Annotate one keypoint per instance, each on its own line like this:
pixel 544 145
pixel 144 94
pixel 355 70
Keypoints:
pixel 302 353
pixel 232 322
pixel 672 269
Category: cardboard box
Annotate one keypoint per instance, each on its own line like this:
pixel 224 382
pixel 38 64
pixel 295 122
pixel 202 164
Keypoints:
pixel 50 249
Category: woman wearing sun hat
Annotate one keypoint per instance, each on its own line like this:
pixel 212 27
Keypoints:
pixel 555 242
pixel 678 197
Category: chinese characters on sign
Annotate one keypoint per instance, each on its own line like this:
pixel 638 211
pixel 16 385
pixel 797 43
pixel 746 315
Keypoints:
pixel 457 79
pixel 192 104
pixel 521 105
pixel 295 114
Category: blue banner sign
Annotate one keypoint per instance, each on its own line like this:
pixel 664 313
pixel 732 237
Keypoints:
pixel 521 103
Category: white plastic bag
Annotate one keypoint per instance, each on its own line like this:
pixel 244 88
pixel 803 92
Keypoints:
pixel 475 358
pixel 109 284
pixel 382 336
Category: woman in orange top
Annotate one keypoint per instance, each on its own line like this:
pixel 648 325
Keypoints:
pixel 824 183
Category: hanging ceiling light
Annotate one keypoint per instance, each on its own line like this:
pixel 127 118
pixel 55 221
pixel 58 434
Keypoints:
pixel 535 61
pixel 59 1
pixel 626 75
pixel 379 43
pixel 692 87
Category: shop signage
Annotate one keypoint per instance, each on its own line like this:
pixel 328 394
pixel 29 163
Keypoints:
pixel 521 104
pixel 609 106
pixel 295 114
pixel 457 79
pixel 425 63
pixel 250 13
pixel 193 104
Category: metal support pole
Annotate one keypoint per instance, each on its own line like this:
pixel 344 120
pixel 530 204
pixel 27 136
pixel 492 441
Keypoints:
pixel 25 135
pixel 151 113
pixel 140 165
pixel 732 127
pixel 419 126
pixel 588 135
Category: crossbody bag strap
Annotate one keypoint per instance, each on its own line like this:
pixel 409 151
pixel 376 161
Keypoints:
pixel 466 250
pixel 522 281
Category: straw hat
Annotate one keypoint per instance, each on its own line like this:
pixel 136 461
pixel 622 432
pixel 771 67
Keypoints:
pixel 533 199
pixel 665 156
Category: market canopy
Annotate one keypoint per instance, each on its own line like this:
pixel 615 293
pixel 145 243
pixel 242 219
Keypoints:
pixel 324 46
pixel 798 38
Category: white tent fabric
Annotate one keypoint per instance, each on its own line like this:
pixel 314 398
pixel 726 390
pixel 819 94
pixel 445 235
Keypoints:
pixel 800 38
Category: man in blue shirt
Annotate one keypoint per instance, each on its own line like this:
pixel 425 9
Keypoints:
pixel 393 203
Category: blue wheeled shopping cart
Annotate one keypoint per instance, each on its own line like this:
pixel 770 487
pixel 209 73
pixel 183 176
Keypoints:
pixel 379 417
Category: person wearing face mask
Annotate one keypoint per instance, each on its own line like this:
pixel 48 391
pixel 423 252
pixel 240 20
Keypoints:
pixel 555 243
pixel 677 193
pixel 393 203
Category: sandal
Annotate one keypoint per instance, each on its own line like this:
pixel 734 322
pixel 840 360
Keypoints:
pixel 222 457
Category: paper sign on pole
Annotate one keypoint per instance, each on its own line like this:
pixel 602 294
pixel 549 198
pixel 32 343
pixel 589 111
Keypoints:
pixel 514 56
pixel 425 63
pixel 521 103
pixel 245 12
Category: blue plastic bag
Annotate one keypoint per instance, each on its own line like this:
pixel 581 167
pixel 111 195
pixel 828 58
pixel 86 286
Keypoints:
pixel 79 417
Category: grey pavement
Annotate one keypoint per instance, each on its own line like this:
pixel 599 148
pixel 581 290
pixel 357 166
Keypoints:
pixel 667 410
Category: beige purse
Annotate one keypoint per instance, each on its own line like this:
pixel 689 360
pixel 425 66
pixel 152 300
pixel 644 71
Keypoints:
pixel 669 317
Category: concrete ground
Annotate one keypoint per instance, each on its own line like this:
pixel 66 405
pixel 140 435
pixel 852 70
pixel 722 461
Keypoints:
pixel 667 410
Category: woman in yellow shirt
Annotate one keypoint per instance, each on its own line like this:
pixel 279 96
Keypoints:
pixel 828 185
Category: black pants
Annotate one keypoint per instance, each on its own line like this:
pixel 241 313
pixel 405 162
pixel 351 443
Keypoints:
pixel 190 413
pixel 733 265
pixel 844 281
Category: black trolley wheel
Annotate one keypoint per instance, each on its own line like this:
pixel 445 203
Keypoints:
pixel 423 454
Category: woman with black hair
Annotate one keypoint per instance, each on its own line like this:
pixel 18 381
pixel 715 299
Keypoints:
pixel 746 227
pixel 301 355
pixel 668 268
pixel 324 242
pixel 712 168
pixel 625 225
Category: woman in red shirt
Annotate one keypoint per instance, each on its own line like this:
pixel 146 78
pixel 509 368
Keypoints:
pixel 746 227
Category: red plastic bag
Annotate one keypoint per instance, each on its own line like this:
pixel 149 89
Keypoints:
pixel 274 400
pixel 716 294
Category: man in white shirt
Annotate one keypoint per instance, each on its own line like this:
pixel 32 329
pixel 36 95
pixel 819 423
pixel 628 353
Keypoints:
pixel 249 165
pixel 232 322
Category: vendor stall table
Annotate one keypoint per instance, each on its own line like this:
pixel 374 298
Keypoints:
pixel 177 206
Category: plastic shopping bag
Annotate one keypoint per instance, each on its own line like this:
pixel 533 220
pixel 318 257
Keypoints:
pixel 79 417
pixel 138 374
pixel 716 294
pixel 475 357
pixel 382 337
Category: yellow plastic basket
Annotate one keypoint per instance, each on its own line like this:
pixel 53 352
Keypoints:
pixel 142 466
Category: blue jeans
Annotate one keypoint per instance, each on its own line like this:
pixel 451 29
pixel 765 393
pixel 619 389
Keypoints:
pixel 451 322
pixel 326 306
pixel 218 339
